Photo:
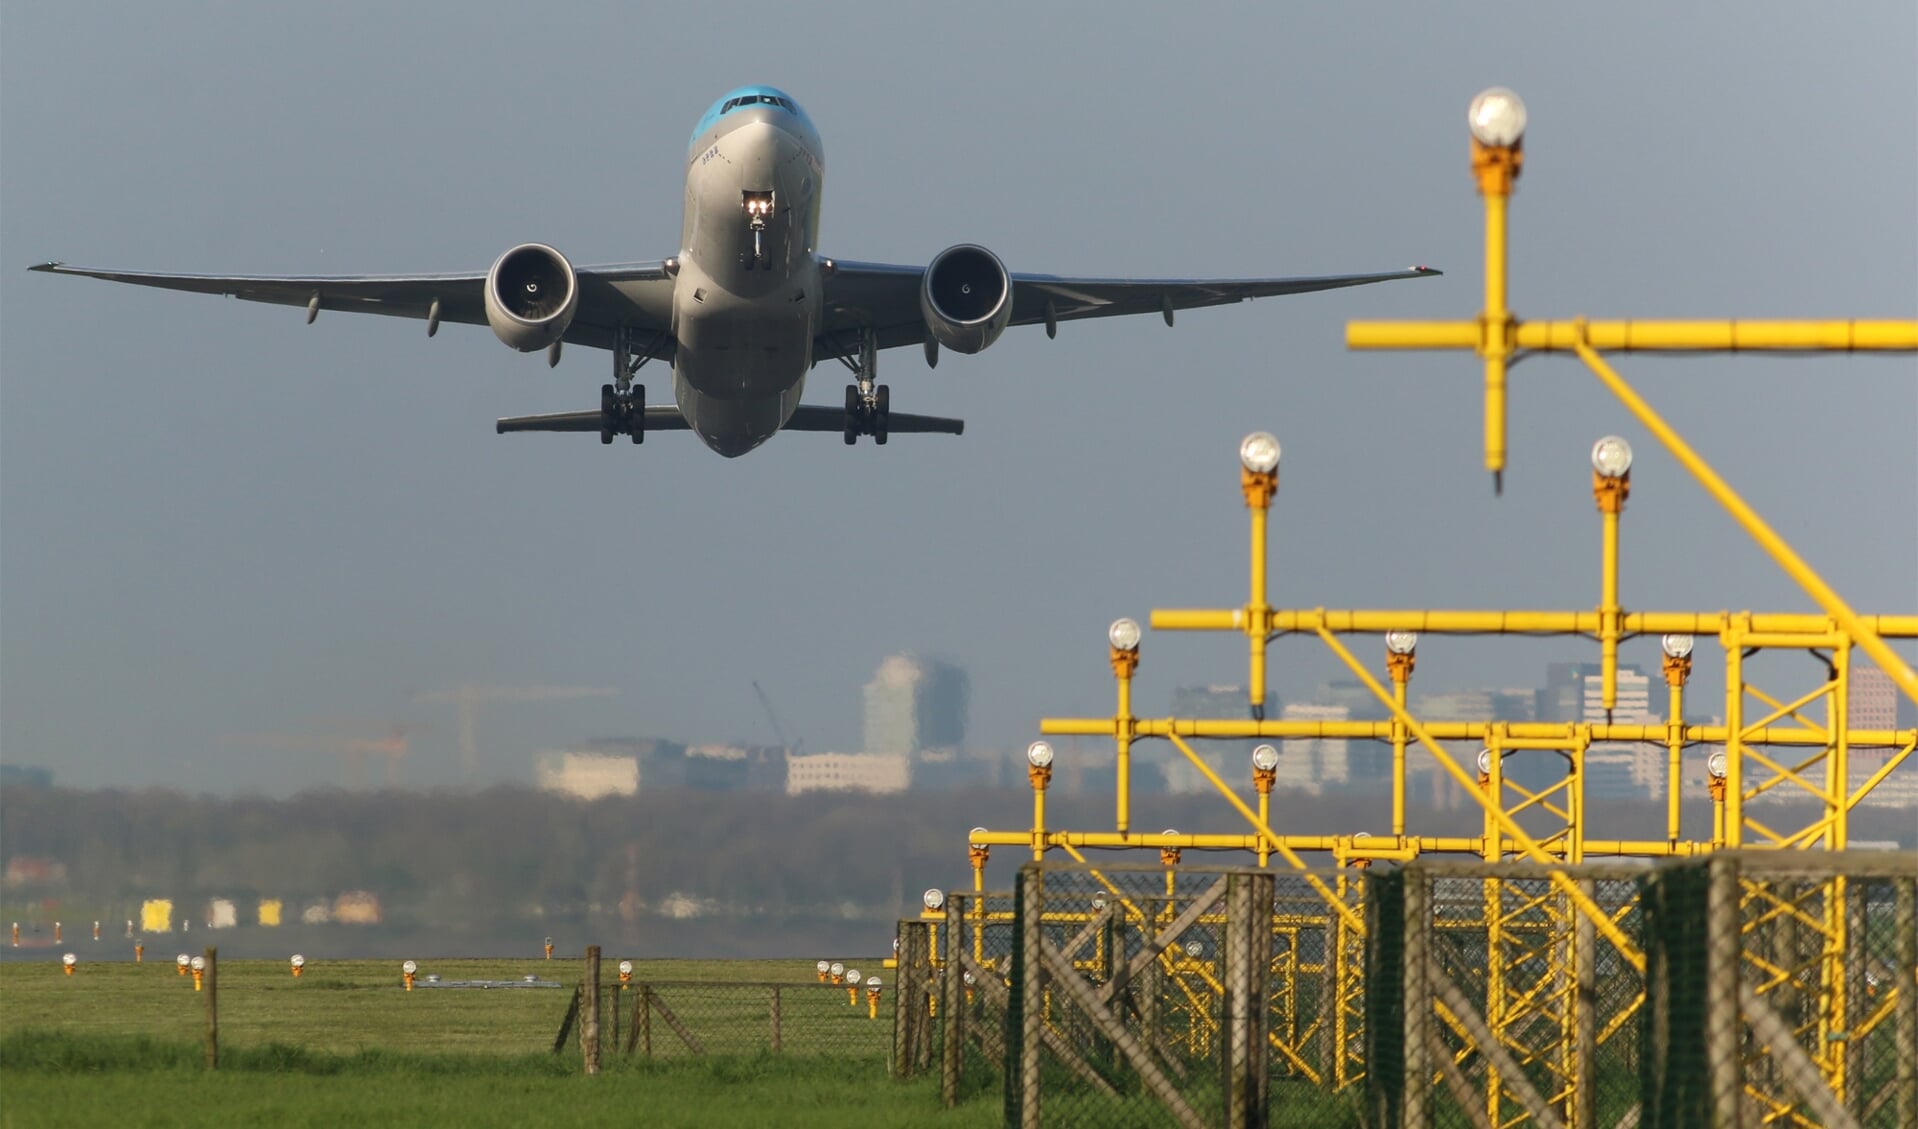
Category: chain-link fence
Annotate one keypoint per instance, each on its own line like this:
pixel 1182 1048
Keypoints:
pixel 1745 989
pixel 667 1019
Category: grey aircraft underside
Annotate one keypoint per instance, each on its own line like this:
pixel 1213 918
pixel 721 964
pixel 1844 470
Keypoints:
pixel 748 306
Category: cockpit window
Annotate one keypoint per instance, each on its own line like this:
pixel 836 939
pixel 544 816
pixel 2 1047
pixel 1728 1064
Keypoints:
pixel 732 104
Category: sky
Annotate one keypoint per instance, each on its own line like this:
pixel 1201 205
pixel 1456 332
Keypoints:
pixel 216 520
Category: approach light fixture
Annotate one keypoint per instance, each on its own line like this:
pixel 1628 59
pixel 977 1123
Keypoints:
pixel 1124 635
pixel 1196 950
pixel 1678 646
pixel 934 899
pixel 852 976
pixel 1265 758
pixel 181 962
pixel 976 839
pixel 872 984
pixel 837 969
pixel 410 967
pixel 1038 755
pixel 823 967
pixel 197 964
pixel 1259 452
pixel 625 968
pixel 1497 117
pixel 1098 903
pixel 68 961
pixel 1612 457
pixel 1401 642
pixel 1716 765
pixel 968 977
pixel 1485 762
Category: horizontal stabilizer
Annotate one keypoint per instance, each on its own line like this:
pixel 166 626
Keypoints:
pixel 665 417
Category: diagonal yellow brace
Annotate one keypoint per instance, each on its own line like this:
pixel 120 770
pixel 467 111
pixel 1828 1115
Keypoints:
pixel 1781 552
pixel 1292 859
pixel 1601 920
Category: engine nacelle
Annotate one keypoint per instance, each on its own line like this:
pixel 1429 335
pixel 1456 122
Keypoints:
pixel 531 294
pixel 966 298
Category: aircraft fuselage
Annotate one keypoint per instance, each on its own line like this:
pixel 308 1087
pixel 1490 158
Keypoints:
pixel 747 298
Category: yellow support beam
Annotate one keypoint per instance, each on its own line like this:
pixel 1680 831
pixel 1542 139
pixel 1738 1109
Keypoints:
pixel 1777 630
pixel 1643 336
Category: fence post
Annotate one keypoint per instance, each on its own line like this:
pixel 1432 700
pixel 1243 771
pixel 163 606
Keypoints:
pixel 952 1003
pixel 1248 965
pixel 1583 1100
pixel 1028 991
pixel 589 1013
pixel 646 1020
pixel 212 1008
pixel 1905 928
pixel 1722 1026
pixel 1417 998
pixel 775 1019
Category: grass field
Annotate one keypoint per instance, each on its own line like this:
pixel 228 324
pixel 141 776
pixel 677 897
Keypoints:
pixel 121 1044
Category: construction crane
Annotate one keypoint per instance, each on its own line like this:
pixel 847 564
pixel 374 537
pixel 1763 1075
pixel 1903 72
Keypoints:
pixel 469 698
pixel 393 746
pixel 779 731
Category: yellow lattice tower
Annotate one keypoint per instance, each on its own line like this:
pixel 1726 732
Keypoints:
pixel 1541 945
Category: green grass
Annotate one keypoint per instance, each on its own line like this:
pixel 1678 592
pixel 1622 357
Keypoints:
pixel 121 1044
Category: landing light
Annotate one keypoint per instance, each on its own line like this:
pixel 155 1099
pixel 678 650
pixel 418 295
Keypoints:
pixel 1497 117
pixel 1611 457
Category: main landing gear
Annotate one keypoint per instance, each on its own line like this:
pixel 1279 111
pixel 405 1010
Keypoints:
pixel 868 405
pixel 622 404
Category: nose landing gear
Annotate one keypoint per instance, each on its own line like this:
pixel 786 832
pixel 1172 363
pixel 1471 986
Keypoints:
pixel 759 209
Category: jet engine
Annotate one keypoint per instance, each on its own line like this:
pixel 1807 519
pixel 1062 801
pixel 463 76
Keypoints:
pixel 531 294
pixel 966 298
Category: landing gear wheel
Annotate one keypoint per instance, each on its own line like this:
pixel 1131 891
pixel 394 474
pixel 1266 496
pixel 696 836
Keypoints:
pixel 881 413
pixel 855 408
pixel 608 413
pixel 636 413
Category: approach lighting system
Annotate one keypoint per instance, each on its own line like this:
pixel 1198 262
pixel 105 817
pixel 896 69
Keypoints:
pixel 1497 117
pixel 197 964
pixel 1715 764
pixel 1678 646
pixel 823 968
pixel 1123 635
pixel 1612 457
pixel 1265 758
pixel 837 969
pixel 410 967
pixel 68 961
pixel 1038 755
pixel 1485 762
pixel 934 899
pixel 872 984
pixel 1259 452
pixel 181 962
pixel 852 975
pixel 1401 642
pixel 625 968
pixel 299 963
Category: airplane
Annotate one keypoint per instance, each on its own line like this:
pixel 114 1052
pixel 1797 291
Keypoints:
pixel 748 306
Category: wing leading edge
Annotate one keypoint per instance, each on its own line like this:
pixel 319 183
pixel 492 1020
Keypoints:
pixel 884 297
pixel 639 294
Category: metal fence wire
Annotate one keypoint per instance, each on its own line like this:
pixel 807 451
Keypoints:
pixel 1776 988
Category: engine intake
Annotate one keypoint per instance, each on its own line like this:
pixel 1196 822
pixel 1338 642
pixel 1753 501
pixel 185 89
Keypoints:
pixel 531 294
pixel 966 298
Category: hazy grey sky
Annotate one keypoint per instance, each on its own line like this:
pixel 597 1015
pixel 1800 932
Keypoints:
pixel 216 519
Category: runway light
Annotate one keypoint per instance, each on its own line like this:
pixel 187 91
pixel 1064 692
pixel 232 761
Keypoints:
pixel 1259 452
pixel 872 998
pixel 1038 755
pixel 852 975
pixel 1715 764
pixel 1124 634
pixel 69 961
pixel 934 899
pixel 406 973
pixel 1497 117
pixel 299 963
pixel 198 964
pixel 1611 457
pixel 823 968
pixel 1678 646
pixel 181 963
pixel 1265 758
pixel 1401 642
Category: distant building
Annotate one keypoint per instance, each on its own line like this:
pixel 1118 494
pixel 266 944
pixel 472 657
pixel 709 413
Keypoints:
pixel 848 772
pixel 916 705
pixel 1872 702
pixel 1575 692
pixel 588 775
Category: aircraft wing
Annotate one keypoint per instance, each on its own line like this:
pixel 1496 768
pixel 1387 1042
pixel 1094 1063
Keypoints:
pixel 885 298
pixel 638 293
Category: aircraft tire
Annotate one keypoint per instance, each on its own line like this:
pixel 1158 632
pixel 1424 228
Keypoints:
pixel 608 414
pixel 853 410
pixel 881 411
pixel 637 420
